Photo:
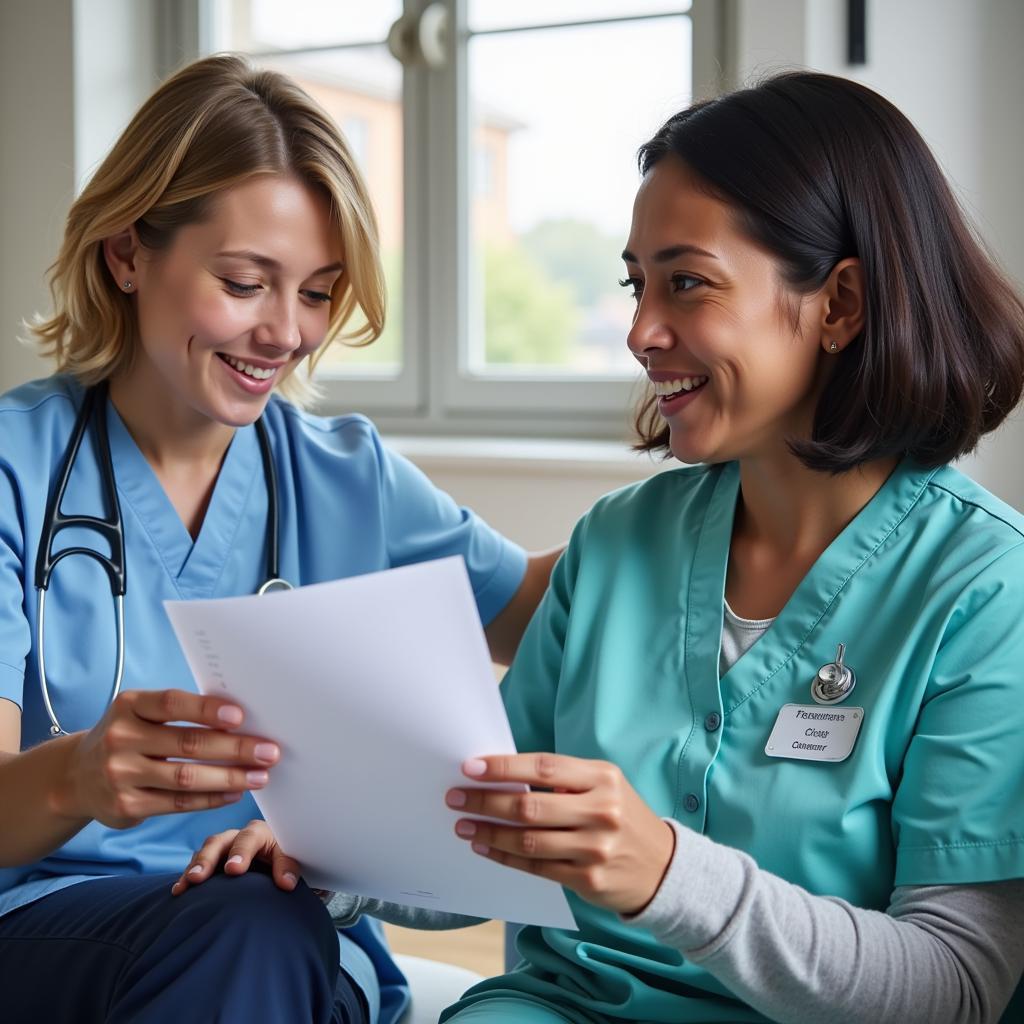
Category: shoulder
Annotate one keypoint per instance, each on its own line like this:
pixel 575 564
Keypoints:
pixel 964 549
pixel 309 437
pixel 56 396
pixel 284 417
pixel 37 416
pixel 647 525
pixel 671 495
pixel 970 537
pixel 971 506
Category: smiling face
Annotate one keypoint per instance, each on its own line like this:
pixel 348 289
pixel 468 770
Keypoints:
pixel 734 355
pixel 236 301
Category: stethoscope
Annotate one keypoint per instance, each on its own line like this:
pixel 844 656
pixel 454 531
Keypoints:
pixel 113 531
pixel 835 681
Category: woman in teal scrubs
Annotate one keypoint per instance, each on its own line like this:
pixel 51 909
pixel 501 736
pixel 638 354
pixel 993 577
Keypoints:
pixel 771 708
pixel 227 238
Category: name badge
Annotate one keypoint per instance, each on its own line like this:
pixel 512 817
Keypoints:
pixel 814 733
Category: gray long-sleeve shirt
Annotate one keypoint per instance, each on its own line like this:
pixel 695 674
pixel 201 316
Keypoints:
pixel 947 954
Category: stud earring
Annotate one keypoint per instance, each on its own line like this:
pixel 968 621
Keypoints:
pixel 833 347
pixel 127 286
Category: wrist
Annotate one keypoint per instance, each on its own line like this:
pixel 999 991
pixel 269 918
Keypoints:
pixel 63 795
pixel 660 865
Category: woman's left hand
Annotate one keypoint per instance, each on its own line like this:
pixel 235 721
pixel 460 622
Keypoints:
pixel 587 828
pixel 236 849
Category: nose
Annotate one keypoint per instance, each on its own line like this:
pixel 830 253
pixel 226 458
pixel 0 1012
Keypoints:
pixel 279 327
pixel 651 330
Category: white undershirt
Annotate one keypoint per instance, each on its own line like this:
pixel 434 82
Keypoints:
pixel 738 636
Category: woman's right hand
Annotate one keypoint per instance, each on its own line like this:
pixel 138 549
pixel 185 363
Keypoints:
pixel 121 771
pixel 236 849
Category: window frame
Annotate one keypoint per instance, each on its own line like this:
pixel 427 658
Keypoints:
pixel 432 393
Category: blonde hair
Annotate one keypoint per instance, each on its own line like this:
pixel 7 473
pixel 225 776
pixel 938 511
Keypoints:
pixel 212 125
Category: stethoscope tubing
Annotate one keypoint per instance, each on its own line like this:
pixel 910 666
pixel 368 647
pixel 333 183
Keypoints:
pixel 112 528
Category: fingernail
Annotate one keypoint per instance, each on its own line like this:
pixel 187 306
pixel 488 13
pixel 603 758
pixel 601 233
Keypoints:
pixel 466 828
pixel 456 798
pixel 474 766
pixel 234 860
pixel 267 752
pixel 230 798
pixel 196 870
pixel 230 715
pixel 290 878
pixel 257 778
pixel 481 848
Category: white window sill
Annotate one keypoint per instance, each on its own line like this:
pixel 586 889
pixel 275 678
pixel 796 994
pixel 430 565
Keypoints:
pixel 528 456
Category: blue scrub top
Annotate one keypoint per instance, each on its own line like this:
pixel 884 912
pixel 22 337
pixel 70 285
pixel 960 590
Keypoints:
pixel 621 663
pixel 347 506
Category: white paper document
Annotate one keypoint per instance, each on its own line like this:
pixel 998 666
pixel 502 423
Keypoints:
pixel 377 688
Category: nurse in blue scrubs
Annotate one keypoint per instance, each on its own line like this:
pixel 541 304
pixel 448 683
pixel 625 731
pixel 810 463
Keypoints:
pixel 771 709
pixel 223 243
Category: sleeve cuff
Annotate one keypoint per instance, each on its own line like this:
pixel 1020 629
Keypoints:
pixel 503 583
pixel 699 895
pixel 12 683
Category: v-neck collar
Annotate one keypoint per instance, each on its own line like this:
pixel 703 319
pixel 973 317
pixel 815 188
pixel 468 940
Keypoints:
pixel 193 566
pixel 813 596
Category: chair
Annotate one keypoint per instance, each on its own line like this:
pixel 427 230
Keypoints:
pixel 434 985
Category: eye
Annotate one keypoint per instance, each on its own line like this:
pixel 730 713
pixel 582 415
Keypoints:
pixel 635 284
pixel 236 288
pixel 685 282
pixel 317 296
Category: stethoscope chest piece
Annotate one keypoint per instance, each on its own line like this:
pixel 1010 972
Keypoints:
pixel 274 586
pixel 834 681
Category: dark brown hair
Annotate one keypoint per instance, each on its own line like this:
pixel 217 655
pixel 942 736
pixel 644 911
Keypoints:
pixel 819 169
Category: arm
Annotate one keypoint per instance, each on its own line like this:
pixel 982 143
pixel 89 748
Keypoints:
pixel 421 522
pixel 346 910
pixel 937 954
pixel 31 825
pixel 941 954
pixel 506 630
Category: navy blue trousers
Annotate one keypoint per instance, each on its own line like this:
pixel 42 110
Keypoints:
pixel 120 950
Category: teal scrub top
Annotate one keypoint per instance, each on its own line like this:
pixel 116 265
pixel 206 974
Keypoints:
pixel 347 506
pixel 926 589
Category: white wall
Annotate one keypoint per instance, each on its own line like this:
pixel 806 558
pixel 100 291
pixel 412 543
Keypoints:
pixel 37 164
pixel 72 73
pixel 954 69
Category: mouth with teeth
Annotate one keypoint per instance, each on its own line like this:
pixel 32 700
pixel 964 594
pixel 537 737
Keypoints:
pixel 667 390
pixel 248 370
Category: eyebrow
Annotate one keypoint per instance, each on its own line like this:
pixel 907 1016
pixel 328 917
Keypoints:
pixel 671 253
pixel 265 261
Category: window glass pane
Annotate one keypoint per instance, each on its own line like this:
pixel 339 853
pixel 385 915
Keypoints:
pixel 362 90
pixel 493 14
pixel 557 116
pixel 260 25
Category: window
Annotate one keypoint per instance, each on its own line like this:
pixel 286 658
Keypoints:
pixel 503 178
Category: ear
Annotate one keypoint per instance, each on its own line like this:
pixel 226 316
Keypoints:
pixel 845 305
pixel 121 253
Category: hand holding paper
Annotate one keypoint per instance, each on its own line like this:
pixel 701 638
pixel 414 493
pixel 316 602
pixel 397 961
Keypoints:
pixel 377 688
